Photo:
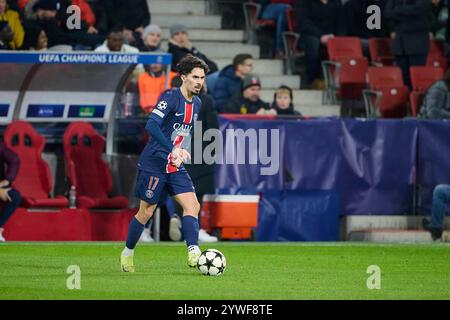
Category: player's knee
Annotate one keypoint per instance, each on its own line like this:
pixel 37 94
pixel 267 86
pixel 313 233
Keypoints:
pixel 145 213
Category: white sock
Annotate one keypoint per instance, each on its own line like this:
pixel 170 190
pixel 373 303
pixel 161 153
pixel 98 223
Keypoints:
pixel 195 249
pixel 127 252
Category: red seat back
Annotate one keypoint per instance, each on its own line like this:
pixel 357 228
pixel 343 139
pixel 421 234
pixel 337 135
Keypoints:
pixel 380 77
pixel 34 178
pixel 344 48
pixel 85 168
pixel 381 50
pixel 437 55
pixel 423 77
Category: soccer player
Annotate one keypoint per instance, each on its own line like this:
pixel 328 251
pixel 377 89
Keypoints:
pixel 160 164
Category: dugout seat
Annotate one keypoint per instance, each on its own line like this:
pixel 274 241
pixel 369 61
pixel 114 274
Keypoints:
pixel 387 96
pixel 345 71
pixel 421 79
pixel 34 180
pixel 86 170
pixel 381 53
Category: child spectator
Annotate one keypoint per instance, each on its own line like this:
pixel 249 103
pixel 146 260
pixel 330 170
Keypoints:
pixel 249 101
pixel 283 101
pixel 13 20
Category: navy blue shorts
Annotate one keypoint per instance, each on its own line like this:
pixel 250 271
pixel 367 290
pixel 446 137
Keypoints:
pixel 150 186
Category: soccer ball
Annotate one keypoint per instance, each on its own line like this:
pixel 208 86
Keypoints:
pixel 212 262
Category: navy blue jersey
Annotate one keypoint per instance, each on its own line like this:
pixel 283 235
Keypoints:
pixel 176 117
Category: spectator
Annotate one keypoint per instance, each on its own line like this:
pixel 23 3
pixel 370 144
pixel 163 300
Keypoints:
pixel 180 46
pixel 441 197
pixel 87 16
pixel 277 10
pixel 13 20
pixel 248 101
pixel 230 79
pixel 411 26
pixel 115 42
pixel 6 35
pixel 151 38
pixel 436 104
pixel 317 21
pixel 133 15
pixel 8 196
pixel 52 16
pixel 439 19
pixel 356 19
pixel 283 102
pixel 151 84
pixel 35 38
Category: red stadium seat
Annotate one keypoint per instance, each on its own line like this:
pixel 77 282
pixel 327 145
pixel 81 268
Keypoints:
pixel 423 77
pixel 86 170
pixel 437 55
pixel 381 51
pixel 345 72
pixel 415 102
pixel 388 96
pixel 34 180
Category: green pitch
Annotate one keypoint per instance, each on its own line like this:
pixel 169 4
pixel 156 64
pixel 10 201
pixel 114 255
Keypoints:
pixel 254 271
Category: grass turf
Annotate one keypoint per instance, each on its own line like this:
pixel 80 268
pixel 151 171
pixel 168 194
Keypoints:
pixel 255 271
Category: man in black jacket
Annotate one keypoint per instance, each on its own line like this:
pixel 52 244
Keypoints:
pixel 248 101
pixel 180 46
pixel 410 20
pixel 317 21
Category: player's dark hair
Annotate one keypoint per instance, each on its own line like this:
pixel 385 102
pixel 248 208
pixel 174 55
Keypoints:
pixel 189 63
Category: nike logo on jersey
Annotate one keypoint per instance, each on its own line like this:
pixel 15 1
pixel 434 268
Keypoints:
pixel 178 114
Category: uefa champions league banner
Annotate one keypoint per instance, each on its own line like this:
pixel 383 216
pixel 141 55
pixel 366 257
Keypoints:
pixel 49 57
pixel 369 163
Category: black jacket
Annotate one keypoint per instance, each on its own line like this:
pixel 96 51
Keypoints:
pixel 313 18
pixel 239 104
pixel 130 14
pixel 179 53
pixel 410 20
